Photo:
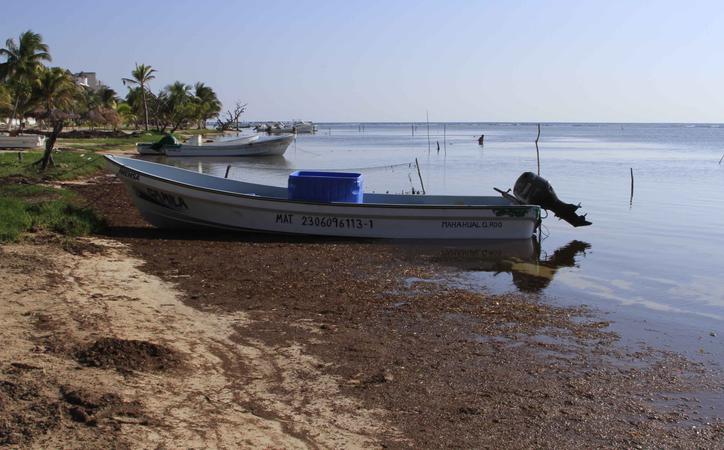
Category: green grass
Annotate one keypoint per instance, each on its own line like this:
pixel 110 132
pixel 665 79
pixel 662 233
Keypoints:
pixel 26 208
pixel 110 143
pixel 68 166
pixel 14 219
pixel 26 205
pixel 125 143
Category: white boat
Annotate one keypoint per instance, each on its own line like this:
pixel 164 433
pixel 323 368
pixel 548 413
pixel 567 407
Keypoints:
pixel 171 197
pixel 25 141
pixel 299 127
pixel 247 146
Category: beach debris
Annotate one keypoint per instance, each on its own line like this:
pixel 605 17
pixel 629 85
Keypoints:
pixel 535 190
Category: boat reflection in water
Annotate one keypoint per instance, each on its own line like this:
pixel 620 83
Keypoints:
pixel 531 269
pixel 536 276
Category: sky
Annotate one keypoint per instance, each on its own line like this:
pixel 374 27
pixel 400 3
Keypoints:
pixel 528 61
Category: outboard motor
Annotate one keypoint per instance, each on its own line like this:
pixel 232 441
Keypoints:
pixel 535 190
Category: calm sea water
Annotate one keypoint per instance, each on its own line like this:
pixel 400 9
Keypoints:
pixel 654 265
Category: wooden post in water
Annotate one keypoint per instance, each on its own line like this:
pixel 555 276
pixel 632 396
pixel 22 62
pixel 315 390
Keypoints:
pixel 722 158
pixel 417 164
pixel 427 118
pixel 444 136
pixel 537 152
pixel 630 202
pixel 226 175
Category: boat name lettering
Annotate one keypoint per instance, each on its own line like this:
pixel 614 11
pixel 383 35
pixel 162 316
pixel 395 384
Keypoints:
pixel 471 224
pixel 331 222
pixel 128 173
pixel 165 199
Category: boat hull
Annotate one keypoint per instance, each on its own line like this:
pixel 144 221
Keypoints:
pixel 171 204
pixel 274 146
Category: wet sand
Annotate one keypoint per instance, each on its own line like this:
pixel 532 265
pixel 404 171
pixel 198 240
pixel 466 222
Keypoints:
pixel 323 343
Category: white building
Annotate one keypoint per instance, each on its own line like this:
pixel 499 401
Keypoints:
pixel 87 79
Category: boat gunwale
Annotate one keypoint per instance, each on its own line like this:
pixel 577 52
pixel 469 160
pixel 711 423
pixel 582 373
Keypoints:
pixel 114 160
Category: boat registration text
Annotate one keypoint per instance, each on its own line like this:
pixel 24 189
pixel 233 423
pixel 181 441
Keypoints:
pixel 325 221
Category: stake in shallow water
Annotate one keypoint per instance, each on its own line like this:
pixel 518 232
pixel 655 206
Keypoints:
pixel 537 152
pixel 427 118
pixel 417 164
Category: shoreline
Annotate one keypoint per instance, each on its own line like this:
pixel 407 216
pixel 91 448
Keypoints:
pixel 378 350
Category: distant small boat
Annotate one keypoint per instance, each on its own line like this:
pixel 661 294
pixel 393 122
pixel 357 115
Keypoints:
pixel 171 197
pixel 246 146
pixel 299 127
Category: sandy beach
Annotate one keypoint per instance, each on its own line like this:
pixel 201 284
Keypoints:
pixel 145 338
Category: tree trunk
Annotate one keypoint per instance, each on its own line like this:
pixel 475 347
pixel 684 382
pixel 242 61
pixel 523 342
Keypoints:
pixel 47 159
pixel 175 126
pixel 145 105
pixel 15 112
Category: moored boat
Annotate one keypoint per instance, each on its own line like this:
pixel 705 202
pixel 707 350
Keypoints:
pixel 171 197
pixel 245 146
pixel 298 127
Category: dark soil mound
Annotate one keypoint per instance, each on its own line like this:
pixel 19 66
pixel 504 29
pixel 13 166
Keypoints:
pixel 128 355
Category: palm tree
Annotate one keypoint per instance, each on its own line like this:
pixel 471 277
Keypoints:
pixel 22 63
pixel 178 92
pixel 99 105
pixel 56 95
pixel 209 105
pixel 125 111
pixel 179 105
pixel 142 74
pixel 54 89
pixel 5 100
pixel 106 97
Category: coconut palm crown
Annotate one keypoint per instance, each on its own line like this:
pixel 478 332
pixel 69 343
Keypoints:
pixel 23 60
pixel 142 75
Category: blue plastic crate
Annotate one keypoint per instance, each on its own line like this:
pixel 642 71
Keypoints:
pixel 326 187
